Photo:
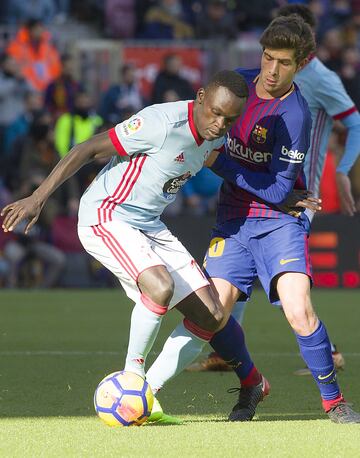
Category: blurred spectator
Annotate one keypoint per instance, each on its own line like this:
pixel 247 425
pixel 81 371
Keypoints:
pixel 33 106
pixel 121 98
pixel 330 49
pixel 76 126
pixel 20 11
pixel 61 92
pixel 165 21
pixel 12 92
pixel 37 58
pixel 4 271
pixel 329 15
pixel 200 192
pixel 63 10
pixel 28 248
pixel 169 78
pixel 352 30
pixel 35 156
pixel 120 18
pixel 170 96
pixel 350 73
pixel 216 22
pixel 255 15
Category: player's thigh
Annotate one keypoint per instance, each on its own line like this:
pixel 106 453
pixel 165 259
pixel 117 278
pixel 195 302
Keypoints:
pixel 122 249
pixel 184 270
pixel 231 268
pixel 285 249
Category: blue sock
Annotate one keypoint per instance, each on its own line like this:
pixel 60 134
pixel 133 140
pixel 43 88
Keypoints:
pixel 316 352
pixel 238 311
pixel 229 343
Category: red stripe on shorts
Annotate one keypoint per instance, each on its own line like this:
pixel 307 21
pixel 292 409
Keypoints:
pixel 118 254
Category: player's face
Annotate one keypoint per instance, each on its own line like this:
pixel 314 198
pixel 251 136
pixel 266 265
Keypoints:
pixel 215 111
pixel 278 68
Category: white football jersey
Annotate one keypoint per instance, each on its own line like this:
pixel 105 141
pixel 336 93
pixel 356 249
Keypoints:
pixel 158 151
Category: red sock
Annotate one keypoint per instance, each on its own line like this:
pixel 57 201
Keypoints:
pixel 328 404
pixel 253 378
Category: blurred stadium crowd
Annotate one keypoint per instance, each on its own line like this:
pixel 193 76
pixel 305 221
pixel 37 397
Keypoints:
pixel 47 104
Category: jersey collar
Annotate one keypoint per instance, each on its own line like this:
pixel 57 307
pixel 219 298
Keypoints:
pixel 198 139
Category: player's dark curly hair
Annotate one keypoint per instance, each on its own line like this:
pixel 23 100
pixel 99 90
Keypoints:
pixel 290 32
pixel 232 80
pixel 301 10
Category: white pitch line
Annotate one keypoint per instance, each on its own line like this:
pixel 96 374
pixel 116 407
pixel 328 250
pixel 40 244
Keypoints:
pixel 117 353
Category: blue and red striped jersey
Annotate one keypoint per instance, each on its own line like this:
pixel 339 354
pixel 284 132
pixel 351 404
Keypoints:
pixel 272 136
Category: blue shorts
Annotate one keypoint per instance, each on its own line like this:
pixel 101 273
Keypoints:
pixel 244 249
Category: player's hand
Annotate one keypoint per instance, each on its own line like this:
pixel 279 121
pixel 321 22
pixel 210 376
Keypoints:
pixel 28 208
pixel 347 203
pixel 298 200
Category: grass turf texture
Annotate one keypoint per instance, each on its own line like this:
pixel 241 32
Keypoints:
pixel 56 346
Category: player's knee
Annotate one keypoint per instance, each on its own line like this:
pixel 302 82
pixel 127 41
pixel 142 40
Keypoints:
pixel 162 290
pixel 158 285
pixel 302 320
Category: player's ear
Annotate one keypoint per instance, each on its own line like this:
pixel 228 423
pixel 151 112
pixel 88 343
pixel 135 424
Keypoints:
pixel 200 95
pixel 302 64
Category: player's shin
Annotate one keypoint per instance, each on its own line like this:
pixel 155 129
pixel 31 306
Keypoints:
pixel 146 319
pixel 229 343
pixel 181 348
pixel 316 352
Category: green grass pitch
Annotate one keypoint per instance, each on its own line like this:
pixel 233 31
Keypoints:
pixel 57 345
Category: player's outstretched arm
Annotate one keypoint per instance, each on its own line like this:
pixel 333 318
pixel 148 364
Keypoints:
pixel 99 146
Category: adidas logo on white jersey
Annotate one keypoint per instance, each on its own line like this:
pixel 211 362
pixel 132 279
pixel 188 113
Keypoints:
pixel 180 158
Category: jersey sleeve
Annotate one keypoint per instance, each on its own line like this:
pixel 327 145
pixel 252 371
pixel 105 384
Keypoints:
pixel 144 132
pixel 292 141
pixel 333 97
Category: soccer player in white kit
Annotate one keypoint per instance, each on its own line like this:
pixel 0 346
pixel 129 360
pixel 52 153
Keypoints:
pixel 152 155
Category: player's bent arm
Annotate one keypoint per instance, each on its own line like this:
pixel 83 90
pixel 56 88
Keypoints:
pixel 99 146
pixel 273 187
pixel 352 145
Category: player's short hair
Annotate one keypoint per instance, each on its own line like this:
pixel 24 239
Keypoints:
pixel 290 32
pixel 232 80
pixel 301 10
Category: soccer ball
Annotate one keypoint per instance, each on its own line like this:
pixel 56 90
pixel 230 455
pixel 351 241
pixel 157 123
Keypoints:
pixel 123 399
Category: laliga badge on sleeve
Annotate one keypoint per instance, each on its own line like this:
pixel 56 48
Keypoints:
pixel 131 125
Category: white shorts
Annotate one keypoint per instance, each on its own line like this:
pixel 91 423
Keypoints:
pixel 127 252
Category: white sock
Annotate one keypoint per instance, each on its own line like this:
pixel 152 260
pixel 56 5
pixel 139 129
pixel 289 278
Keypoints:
pixel 144 328
pixel 180 350
pixel 238 311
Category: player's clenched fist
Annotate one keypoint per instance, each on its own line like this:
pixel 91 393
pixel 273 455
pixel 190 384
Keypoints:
pixel 28 208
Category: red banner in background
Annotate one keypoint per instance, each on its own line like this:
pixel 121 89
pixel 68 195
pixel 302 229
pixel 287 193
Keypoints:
pixel 149 60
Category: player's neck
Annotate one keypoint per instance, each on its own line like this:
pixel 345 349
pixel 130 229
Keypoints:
pixel 262 93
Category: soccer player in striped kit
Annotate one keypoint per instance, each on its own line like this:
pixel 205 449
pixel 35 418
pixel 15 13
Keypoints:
pixel 254 238
pixel 328 101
